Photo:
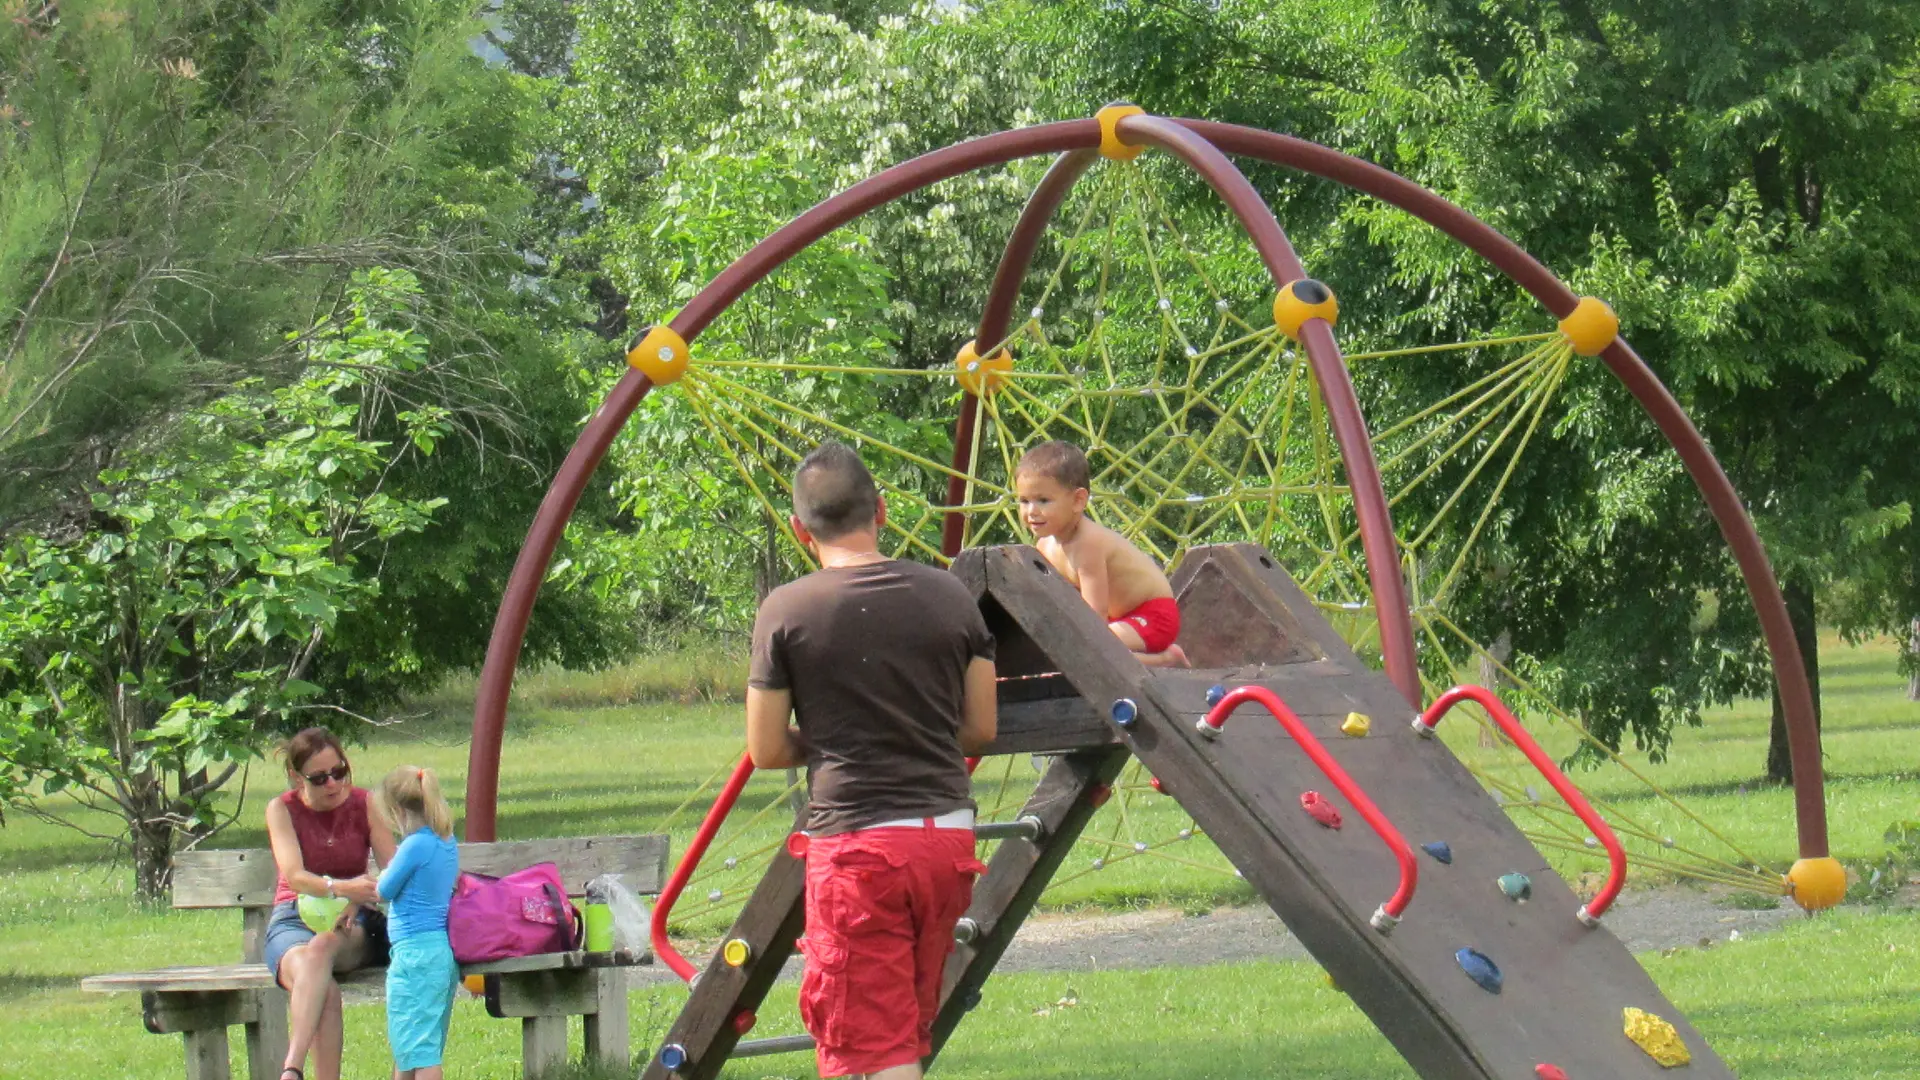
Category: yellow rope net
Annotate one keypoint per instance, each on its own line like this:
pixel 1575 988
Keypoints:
pixel 1203 425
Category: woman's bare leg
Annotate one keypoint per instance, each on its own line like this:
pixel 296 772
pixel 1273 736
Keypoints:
pixel 329 1042
pixel 307 973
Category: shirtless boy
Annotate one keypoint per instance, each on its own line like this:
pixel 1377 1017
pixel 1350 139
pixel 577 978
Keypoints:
pixel 1116 579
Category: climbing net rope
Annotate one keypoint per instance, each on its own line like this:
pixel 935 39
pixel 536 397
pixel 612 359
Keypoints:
pixel 1148 344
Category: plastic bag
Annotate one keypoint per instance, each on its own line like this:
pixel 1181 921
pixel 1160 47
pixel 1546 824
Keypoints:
pixel 631 919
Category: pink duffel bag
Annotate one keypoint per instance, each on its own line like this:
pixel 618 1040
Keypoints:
pixel 524 913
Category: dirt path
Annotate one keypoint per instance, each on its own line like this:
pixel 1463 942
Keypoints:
pixel 1645 919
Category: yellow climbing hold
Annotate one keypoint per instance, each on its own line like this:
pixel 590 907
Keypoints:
pixel 1357 725
pixel 1591 326
pixel 1110 144
pixel 661 356
pixel 736 952
pixel 982 377
pixel 1657 1037
pixel 1818 884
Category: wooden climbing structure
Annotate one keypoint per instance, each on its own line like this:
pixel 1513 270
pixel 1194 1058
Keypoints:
pixel 1563 982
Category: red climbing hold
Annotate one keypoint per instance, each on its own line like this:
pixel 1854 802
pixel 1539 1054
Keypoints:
pixel 1322 810
pixel 1549 1072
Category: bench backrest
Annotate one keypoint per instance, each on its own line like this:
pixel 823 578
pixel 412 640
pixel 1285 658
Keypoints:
pixel 245 878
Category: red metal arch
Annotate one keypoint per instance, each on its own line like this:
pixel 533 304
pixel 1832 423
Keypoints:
pixel 1200 143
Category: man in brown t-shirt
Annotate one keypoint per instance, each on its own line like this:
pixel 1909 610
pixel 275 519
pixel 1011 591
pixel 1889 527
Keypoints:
pixel 888 668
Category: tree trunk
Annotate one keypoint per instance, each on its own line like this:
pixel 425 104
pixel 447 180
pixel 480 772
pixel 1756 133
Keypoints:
pixel 1801 613
pixel 1913 656
pixel 151 834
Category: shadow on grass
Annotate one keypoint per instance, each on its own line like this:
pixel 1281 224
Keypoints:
pixel 15 985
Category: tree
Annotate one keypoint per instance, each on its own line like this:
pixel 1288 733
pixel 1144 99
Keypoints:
pixel 149 649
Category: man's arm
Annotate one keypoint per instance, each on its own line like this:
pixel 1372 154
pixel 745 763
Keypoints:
pixel 770 742
pixel 980 711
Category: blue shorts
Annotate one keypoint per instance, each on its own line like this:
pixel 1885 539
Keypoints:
pixel 421 979
pixel 286 931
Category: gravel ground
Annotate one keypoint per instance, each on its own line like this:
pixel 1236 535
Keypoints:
pixel 1645 919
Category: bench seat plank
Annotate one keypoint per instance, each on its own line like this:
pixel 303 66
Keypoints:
pixel 256 977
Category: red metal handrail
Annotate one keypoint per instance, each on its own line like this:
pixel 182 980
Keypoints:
pixel 689 860
pixel 1591 911
pixel 1388 914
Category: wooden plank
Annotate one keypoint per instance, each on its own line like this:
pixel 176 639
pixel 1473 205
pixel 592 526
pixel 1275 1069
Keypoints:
pixel 207 1055
pixel 1231 624
pixel 246 877
pixel 543 1046
pixel 770 923
pixel 1049 725
pixel 608 1042
pixel 214 977
pixel 198 1010
pixel 640 860
pixel 1018 874
pixel 266 1036
pixel 558 961
pixel 558 992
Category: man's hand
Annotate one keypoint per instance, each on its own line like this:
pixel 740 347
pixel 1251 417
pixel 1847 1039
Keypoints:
pixel 771 743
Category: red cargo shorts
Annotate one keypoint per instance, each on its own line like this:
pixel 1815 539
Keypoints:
pixel 1157 622
pixel 881 906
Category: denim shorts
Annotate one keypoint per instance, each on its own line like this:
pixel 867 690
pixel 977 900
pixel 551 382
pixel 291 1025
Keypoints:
pixel 286 931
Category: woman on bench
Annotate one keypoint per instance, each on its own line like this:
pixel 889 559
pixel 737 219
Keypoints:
pixel 322 832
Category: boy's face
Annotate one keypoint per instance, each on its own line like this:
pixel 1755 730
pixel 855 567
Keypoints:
pixel 1046 505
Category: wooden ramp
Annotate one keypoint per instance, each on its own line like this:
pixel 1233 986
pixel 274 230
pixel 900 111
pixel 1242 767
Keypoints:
pixel 1564 988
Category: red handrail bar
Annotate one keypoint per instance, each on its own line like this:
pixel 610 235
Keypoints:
pixel 689 860
pixel 1591 911
pixel 1388 914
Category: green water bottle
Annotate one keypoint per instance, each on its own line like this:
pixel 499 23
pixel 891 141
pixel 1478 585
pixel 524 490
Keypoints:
pixel 599 918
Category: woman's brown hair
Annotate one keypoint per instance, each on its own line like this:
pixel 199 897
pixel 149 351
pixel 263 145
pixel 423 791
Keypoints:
pixel 308 742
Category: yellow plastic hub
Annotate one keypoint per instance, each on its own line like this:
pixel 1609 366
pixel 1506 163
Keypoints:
pixel 1110 144
pixel 736 952
pixel 981 377
pixel 1302 300
pixel 1357 725
pixel 1818 884
pixel 661 356
pixel 1591 326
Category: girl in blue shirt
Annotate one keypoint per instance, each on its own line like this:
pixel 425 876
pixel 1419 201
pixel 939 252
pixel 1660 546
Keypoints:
pixel 417 887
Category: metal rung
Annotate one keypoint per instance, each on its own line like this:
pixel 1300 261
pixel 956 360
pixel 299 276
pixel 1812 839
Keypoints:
pixel 1026 828
pixel 779 1044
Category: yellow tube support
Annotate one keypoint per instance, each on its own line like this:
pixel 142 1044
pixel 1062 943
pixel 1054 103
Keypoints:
pixel 661 356
pixel 1110 144
pixel 1591 326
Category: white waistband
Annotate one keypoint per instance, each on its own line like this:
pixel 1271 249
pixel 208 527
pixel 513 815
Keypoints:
pixel 952 819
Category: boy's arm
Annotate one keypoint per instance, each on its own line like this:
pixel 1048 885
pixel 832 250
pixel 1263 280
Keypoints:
pixel 980 710
pixel 771 743
pixel 1095 583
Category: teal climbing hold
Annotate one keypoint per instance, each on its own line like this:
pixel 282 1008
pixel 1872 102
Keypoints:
pixel 1516 887
pixel 1439 850
pixel 1484 972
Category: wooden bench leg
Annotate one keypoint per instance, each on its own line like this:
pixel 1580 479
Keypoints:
pixel 207 1054
pixel 606 1027
pixel 543 1045
pixel 267 1037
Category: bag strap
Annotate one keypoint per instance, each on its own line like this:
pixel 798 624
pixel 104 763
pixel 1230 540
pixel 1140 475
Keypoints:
pixel 571 925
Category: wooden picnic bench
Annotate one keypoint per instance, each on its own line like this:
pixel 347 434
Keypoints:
pixel 201 1003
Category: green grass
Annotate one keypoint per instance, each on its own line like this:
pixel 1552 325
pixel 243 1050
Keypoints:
pixel 574 765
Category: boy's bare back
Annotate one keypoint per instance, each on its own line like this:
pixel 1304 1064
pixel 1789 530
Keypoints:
pixel 1132 577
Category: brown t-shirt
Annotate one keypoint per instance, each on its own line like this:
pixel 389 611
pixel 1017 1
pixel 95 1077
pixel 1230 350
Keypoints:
pixel 876 659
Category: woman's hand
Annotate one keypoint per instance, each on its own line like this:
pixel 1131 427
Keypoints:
pixel 360 890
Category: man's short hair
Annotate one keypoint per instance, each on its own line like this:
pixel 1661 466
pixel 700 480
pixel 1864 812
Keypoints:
pixel 833 493
pixel 1059 461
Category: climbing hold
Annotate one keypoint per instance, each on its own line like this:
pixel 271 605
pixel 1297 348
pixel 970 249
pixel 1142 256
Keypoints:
pixel 1657 1037
pixel 1440 851
pixel 1214 694
pixel 743 1021
pixel 1356 725
pixel 736 952
pixel 1549 1072
pixel 1098 795
pixel 1125 712
pixel 797 844
pixel 673 1057
pixel 1818 883
pixel 1322 810
pixel 1516 887
pixel 1157 786
pixel 1484 972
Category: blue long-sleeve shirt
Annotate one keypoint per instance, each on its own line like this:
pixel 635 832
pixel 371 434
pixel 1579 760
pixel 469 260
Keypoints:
pixel 418 885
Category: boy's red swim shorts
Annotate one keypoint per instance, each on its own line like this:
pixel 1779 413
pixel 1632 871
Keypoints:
pixel 881 905
pixel 1157 621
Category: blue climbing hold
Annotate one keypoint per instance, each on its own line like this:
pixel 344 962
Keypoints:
pixel 1214 694
pixel 1484 972
pixel 1125 712
pixel 1516 887
pixel 1439 850
pixel 673 1057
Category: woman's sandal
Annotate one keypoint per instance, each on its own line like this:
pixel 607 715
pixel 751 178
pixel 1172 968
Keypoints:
pixel 297 1074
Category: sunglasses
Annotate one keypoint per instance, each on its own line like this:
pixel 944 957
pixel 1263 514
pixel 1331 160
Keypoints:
pixel 338 772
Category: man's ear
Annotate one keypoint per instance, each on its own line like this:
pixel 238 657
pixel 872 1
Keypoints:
pixel 800 532
pixel 879 513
